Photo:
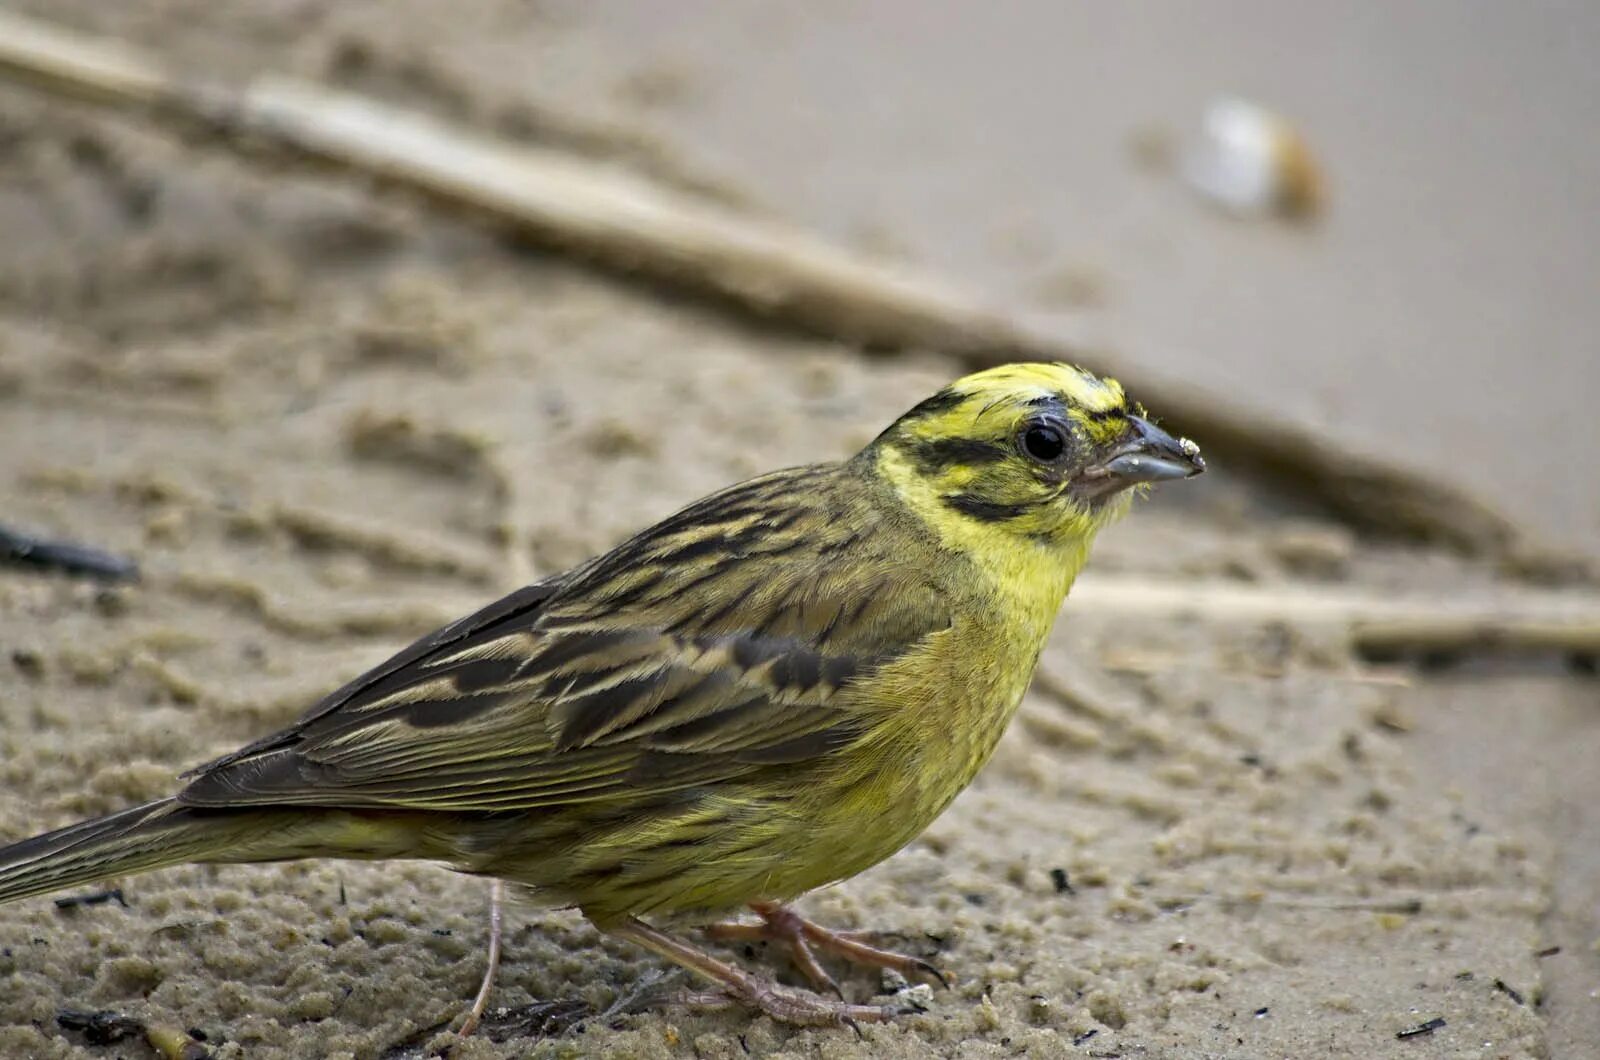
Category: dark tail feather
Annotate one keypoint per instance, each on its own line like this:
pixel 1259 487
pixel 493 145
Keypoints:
pixel 146 837
pixel 164 833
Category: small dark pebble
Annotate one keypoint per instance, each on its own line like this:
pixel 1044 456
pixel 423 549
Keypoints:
pixel 111 603
pixel 1085 1036
pixel 1262 1011
pixel 73 901
pixel 975 899
pixel 1062 881
pixel 1548 952
pixel 443 933
pixel 27 662
pixel 1464 977
pixel 1508 991
pixel 1420 1029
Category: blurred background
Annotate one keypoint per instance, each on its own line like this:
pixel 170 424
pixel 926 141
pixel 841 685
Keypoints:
pixel 1441 309
pixel 332 377
pixel 1435 307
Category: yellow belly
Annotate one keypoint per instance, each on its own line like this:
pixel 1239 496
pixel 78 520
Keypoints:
pixel 936 715
pixel 940 716
pixel 953 707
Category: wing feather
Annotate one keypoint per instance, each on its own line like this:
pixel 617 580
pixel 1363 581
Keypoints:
pixel 721 642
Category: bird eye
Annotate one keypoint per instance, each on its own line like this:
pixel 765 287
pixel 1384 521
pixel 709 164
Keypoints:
pixel 1044 442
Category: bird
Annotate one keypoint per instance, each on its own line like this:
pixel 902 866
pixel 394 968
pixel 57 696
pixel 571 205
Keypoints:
pixel 769 691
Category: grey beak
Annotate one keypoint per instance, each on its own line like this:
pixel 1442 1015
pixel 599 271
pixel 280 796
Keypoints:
pixel 1152 455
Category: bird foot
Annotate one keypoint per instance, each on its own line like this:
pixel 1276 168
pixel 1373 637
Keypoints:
pixel 737 986
pixel 783 925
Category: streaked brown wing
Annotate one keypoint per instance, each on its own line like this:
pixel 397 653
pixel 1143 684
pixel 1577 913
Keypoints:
pixel 719 642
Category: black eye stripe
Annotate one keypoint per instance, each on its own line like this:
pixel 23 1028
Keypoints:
pixel 939 454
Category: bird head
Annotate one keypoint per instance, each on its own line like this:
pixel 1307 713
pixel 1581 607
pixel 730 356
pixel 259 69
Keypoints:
pixel 1047 452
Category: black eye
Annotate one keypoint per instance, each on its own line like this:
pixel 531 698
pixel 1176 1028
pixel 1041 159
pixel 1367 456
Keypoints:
pixel 1044 442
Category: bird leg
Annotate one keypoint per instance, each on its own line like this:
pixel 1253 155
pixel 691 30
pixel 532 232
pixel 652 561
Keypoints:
pixel 497 900
pixel 737 985
pixel 783 925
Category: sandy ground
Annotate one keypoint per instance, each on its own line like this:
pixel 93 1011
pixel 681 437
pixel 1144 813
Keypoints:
pixel 326 421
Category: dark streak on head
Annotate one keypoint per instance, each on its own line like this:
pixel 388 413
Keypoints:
pixel 936 455
pixel 982 510
pixel 942 402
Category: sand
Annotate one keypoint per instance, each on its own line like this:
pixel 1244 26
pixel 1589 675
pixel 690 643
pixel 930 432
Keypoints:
pixel 326 421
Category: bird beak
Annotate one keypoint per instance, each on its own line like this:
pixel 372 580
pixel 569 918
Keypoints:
pixel 1150 455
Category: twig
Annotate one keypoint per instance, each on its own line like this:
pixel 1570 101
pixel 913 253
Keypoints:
pixel 628 223
pixel 73 901
pixel 18 549
pixel 1420 1029
pixel 1516 619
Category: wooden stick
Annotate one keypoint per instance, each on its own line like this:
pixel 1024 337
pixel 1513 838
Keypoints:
pixel 1510 618
pixel 637 226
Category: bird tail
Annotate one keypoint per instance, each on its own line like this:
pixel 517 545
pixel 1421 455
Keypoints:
pixel 166 832
pixel 146 837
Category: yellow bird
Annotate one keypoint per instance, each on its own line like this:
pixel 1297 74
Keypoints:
pixel 771 690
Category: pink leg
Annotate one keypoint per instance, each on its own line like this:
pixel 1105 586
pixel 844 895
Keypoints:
pixel 480 1004
pixel 783 925
pixel 737 985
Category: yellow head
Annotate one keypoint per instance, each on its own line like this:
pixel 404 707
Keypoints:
pixel 1043 454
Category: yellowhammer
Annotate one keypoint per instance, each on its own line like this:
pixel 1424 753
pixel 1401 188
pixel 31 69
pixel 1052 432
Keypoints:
pixel 771 690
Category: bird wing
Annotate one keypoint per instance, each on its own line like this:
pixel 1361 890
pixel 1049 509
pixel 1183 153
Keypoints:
pixel 720 642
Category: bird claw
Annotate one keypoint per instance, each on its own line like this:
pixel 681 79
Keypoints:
pixel 794 940
pixel 932 972
pixel 783 925
pixel 737 986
